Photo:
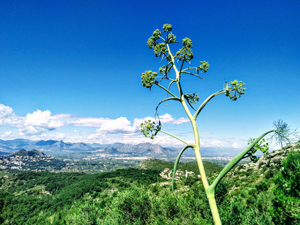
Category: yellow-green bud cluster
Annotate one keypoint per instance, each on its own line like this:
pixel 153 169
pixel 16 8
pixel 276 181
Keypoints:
pixel 156 34
pixel 192 98
pixel 148 78
pixel 185 53
pixel 164 70
pixel 150 129
pixel 167 27
pixel 152 40
pixel 187 42
pixel 236 90
pixel 160 49
pixel 171 38
pixel 204 67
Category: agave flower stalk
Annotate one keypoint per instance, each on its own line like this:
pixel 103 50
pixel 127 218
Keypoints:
pixel 149 128
pixel 233 90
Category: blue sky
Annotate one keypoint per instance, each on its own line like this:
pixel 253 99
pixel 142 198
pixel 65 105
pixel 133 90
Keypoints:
pixel 70 70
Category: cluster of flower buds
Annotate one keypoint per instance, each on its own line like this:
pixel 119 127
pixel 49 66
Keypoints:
pixel 235 90
pixel 160 48
pixel 148 78
pixel 192 98
pixel 260 146
pixel 171 38
pixel 163 70
pixel 204 67
pixel 150 129
pixel 185 53
pixel 152 40
pixel 167 27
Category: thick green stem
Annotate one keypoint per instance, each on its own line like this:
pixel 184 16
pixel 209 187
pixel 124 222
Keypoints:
pixel 194 125
pixel 201 167
pixel 214 210
pixel 196 146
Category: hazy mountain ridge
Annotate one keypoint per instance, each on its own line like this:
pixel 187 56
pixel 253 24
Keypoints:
pixel 146 149
pixel 55 147
pixel 42 145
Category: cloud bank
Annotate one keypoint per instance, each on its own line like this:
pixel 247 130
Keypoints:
pixel 45 125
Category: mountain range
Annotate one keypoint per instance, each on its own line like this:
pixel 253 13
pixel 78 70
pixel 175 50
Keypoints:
pixel 55 147
pixel 47 146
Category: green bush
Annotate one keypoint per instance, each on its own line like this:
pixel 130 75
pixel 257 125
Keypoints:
pixel 286 208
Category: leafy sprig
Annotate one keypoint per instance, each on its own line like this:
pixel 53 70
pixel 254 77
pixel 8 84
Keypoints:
pixel 235 89
pixel 150 129
pixel 192 98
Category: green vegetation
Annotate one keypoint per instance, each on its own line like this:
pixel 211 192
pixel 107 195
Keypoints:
pixel 234 90
pixel 287 192
pixel 12 164
pixel 268 195
pixel 157 164
pixel 97 166
pixel 33 197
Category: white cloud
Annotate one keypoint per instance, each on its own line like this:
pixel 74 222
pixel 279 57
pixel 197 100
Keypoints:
pixel 167 118
pixel 45 120
pixel 236 145
pixel 5 111
pixel 8 117
pixel 88 122
pixel 6 134
pixel 121 124
pixel 218 142
pixel 39 122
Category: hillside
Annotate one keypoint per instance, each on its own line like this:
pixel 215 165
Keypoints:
pixel 157 164
pixel 31 153
pixel 33 160
pixel 266 192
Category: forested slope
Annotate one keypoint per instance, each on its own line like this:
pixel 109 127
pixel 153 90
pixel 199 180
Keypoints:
pixel 263 193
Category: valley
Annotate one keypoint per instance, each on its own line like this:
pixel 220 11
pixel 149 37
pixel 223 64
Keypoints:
pixel 58 156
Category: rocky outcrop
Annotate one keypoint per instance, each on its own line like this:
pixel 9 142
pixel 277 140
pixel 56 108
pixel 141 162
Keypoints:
pixel 272 159
pixel 168 174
